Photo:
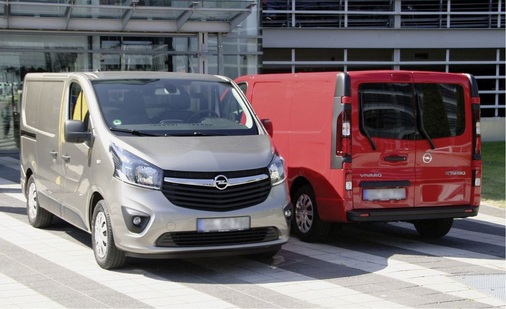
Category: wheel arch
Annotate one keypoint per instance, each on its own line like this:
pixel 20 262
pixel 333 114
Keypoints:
pixel 297 183
pixel 28 174
pixel 95 198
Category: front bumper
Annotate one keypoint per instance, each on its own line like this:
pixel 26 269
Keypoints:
pixel 171 231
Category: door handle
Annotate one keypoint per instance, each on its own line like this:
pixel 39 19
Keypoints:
pixel 66 158
pixel 395 158
pixel 53 153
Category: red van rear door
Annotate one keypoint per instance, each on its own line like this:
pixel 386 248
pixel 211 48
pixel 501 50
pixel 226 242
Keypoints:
pixel 444 148
pixel 383 140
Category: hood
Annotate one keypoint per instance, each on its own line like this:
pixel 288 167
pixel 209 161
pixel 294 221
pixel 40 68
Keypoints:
pixel 203 153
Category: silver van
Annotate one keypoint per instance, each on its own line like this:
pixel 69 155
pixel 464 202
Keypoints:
pixel 152 164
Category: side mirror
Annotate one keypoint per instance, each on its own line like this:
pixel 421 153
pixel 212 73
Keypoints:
pixel 268 126
pixel 76 132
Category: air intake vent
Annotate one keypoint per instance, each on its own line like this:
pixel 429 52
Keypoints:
pixel 195 239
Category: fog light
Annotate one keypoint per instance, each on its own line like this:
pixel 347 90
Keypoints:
pixel 137 220
pixel 288 212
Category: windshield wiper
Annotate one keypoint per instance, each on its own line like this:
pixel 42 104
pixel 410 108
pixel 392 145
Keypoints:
pixel 373 145
pixel 133 132
pixel 420 125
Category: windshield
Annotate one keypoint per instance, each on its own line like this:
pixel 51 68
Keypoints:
pixel 175 107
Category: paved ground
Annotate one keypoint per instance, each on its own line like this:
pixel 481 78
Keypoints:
pixel 371 266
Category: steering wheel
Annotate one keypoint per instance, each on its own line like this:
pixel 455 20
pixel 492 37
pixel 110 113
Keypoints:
pixel 201 114
pixel 170 121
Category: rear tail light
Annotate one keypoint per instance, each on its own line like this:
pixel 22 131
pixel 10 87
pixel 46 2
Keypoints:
pixel 343 129
pixel 477 177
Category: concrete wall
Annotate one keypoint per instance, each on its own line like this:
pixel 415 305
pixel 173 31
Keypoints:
pixel 493 129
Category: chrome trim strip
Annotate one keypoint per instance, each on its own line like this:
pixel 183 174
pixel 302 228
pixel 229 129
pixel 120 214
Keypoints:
pixel 210 182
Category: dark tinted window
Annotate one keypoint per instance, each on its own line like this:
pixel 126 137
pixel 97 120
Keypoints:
pixel 442 108
pixel 402 111
pixel 388 110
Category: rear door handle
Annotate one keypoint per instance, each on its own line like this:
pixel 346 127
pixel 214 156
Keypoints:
pixel 53 153
pixel 395 158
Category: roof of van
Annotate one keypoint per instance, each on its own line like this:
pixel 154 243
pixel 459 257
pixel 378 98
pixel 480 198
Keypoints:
pixel 326 75
pixel 129 75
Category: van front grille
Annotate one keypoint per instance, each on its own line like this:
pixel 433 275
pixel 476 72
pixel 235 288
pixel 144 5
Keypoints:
pixel 198 191
pixel 195 239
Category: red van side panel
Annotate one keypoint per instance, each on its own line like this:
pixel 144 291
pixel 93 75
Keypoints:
pixel 311 140
pixel 300 108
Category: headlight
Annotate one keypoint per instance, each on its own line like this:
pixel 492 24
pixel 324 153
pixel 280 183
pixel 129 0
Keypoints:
pixel 277 170
pixel 132 169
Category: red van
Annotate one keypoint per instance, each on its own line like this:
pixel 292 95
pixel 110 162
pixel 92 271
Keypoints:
pixel 370 146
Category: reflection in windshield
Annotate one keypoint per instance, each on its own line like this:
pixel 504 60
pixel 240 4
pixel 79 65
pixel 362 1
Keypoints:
pixel 173 107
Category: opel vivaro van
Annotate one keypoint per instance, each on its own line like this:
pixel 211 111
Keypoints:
pixel 152 164
pixel 375 146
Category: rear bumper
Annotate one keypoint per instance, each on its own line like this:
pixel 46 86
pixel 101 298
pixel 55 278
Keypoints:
pixel 408 214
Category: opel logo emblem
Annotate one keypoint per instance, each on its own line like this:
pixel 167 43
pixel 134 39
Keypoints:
pixel 221 182
pixel 427 157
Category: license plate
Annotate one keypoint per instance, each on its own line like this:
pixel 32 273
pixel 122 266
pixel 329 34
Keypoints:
pixel 384 194
pixel 223 224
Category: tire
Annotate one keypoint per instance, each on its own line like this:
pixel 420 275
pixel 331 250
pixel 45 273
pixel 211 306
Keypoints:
pixel 306 223
pixel 433 228
pixel 107 255
pixel 37 216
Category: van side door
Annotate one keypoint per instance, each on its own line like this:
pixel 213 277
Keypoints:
pixel 76 162
pixel 42 114
pixel 444 151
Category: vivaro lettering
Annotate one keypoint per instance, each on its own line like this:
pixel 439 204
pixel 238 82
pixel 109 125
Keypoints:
pixel 374 175
pixel 455 173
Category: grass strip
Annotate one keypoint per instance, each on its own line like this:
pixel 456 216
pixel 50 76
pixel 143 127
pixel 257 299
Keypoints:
pixel 493 186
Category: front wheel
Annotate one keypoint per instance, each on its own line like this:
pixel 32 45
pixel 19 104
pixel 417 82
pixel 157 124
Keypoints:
pixel 37 216
pixel 107 255
pixel 433 228
pixel 306 223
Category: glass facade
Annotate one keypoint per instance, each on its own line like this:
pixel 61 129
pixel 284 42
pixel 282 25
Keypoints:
pixel 217 37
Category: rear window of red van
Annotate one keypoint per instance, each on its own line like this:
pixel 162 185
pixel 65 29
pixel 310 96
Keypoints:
pixel 402 110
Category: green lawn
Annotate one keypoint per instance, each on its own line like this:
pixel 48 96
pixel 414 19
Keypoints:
pixel 493 187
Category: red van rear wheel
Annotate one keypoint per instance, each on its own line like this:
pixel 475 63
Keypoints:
pixel 433 228
pixel 306 223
